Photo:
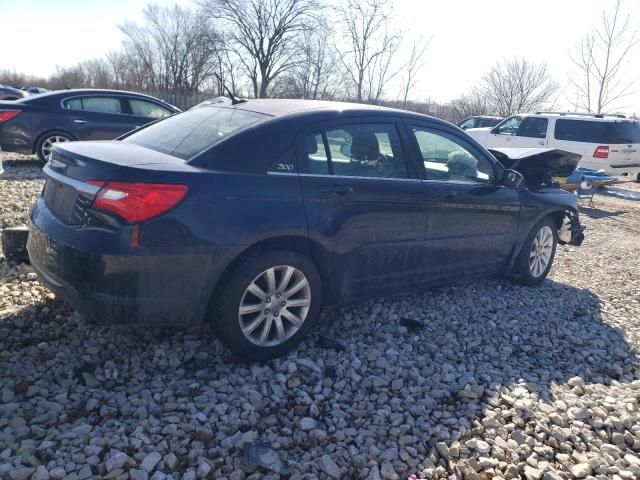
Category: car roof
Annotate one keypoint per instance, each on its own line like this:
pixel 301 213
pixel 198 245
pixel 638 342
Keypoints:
pixel 579 116
pixel 286 107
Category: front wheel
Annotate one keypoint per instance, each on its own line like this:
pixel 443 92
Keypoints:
pixel 537 254
pixel 268 305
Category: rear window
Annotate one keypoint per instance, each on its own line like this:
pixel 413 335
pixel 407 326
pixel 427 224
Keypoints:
pixel 186 134
pixel 597 132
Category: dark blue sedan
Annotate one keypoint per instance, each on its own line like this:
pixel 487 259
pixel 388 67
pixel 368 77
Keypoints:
pixel 254 215
pixel 33 124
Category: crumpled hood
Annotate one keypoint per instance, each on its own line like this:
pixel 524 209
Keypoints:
pixel 537 161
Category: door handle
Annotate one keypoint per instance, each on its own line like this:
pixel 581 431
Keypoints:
pixel 338 190
pixel 451 195
pixel 80 121
pixel 541 143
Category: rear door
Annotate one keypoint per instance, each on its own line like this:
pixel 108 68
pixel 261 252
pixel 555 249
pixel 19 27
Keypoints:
pixel 472 217
pixel 364 203
pixel 98 117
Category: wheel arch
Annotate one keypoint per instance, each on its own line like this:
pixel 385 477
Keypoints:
pixel 556 214
pixel 300 244
pixel 39 137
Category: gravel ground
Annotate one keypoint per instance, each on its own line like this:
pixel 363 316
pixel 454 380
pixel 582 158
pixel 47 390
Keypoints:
pixel 484 380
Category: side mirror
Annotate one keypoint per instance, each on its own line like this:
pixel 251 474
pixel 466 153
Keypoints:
pixel 512 178
pixel 495 131
pixel 345 149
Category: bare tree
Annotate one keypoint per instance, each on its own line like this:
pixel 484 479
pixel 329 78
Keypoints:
pixel 175 48
pixel 263 34
pixel 517 85
pixel 600 58
pixel 469 105
pixel 314 75
pixel 413 66
pixel 372 46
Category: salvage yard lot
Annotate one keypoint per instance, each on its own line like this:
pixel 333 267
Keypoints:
pixel 494 379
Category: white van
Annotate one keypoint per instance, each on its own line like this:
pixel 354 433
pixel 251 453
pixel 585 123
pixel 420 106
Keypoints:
pixel 607 142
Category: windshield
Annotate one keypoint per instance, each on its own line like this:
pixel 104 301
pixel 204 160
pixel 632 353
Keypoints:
pixel 186 134
pixel 597 132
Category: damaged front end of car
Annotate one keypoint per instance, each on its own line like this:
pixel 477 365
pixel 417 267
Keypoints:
pixel 571 232
pixel 539 167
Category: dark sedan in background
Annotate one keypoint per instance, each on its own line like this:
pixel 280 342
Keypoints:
pixel 33 124
pixel 479 121
pixel 254 215
pixel 11 93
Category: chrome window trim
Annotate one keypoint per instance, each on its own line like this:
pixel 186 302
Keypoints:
pixel 77 184
pixel 62 106
pixel 349 177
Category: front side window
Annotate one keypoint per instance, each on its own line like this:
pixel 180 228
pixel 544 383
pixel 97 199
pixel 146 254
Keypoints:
pixel 95 104
pixel 193 131
pixel 468 123
pixel 533 127
pixel 362 150
pixel 510 126
pixel 143 108
pixel 447 159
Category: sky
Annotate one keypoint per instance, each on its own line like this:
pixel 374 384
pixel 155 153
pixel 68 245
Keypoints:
pixel 468 36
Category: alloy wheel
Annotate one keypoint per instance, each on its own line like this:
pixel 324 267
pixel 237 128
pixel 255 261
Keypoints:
pixel 47 145
pixel 274 306
pixel 541 251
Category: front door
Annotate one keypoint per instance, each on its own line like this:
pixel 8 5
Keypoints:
pixel 472 218
pixel 365 205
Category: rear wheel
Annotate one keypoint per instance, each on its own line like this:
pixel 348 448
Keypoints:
pixel 269 305
pixel 537 254
pixel 45 144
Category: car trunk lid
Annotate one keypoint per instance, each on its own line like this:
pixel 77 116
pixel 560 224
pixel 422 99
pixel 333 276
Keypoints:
pixel 67 191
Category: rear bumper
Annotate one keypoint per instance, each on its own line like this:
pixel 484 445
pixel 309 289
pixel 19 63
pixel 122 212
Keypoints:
pixel 117 287
pixel 612 168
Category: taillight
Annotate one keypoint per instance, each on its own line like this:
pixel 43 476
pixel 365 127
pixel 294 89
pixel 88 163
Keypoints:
pixel 137 202
pixel 8 114
pixel 601 152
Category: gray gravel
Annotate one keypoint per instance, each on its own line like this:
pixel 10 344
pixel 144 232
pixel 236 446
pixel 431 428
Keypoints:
pixel 497 381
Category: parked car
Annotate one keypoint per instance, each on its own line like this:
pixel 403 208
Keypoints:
pixel 479 121
pixel 607 142
pixel 34 90
pixel 11 93
pixel 254 215
pixel 34 124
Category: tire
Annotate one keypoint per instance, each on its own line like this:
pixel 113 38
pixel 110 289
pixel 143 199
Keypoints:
pixel 262 338
pixel 529 271
pixel 43 146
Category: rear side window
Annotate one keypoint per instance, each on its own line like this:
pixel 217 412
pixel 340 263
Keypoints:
pixel 143 108
pixel 193 131
pixel 359 150
pixel 597 132
pixel 95 104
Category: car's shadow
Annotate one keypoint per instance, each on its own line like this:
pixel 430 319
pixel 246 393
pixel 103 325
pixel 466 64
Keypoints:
pixel 597 213
pixel 457 350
